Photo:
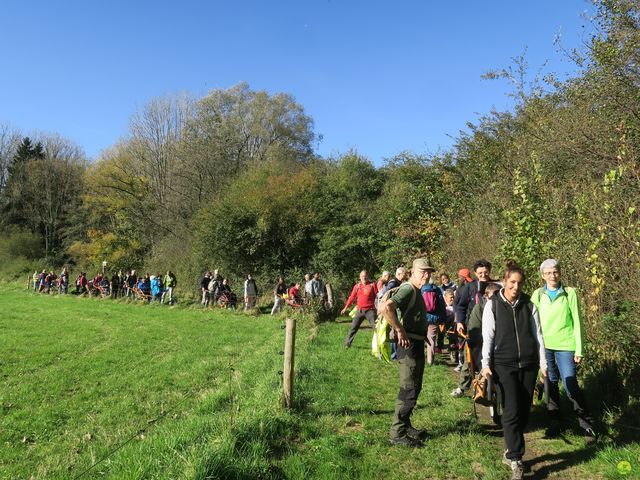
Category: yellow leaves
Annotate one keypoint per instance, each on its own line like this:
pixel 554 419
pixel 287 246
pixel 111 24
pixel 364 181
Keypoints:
pixel 102 245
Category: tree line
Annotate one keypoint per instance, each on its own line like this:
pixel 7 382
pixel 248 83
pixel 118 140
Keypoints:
pixel 232 181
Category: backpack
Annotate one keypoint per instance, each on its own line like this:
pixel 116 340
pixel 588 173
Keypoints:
pixel 430 300
pixel 379 296
pixel 434 302
pixel 381 341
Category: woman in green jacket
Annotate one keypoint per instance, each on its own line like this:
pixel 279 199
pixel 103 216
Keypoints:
pixel 563 338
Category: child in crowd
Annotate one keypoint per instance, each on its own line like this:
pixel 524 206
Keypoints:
pixel 449 325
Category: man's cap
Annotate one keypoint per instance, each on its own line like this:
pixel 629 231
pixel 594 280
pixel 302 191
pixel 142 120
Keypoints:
pixel 465 273
pixel 422 264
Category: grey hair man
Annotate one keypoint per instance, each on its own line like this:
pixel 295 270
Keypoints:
pixel 410 330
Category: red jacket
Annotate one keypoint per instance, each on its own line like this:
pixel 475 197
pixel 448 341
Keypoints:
pixel 294 294
pixel 364 295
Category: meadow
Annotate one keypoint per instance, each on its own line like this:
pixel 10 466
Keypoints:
pixel 108 389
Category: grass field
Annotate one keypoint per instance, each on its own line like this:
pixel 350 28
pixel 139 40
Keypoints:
pixel 156 392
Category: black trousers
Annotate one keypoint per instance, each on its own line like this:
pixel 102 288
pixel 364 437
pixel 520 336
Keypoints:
pixel 357 321
pixel 517 389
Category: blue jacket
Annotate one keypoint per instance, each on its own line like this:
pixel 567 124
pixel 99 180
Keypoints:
pixel 156 288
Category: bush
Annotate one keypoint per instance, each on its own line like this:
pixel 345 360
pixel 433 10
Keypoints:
pixel 21 243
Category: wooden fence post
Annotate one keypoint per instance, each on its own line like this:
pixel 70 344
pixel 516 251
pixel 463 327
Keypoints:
pixel 289 356
pixel 329 295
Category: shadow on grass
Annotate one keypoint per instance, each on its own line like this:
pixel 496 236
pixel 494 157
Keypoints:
pixel 553 463
pixel 490 430
pixel 549 464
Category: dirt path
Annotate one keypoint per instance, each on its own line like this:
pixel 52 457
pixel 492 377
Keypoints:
pixel 559 458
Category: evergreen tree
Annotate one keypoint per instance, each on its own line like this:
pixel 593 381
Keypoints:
pixel 14 196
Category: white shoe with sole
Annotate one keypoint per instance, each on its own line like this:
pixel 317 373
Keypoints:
pixel 457 393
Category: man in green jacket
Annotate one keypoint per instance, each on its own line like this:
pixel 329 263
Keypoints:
pixel 563 338
pixel 410 328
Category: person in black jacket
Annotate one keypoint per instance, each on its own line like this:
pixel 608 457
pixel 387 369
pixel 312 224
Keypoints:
pixel 512 351
pixel 467 297
pixel 279 291
pixel 204 286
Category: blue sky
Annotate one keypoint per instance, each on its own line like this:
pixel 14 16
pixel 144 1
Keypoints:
pixel 377 76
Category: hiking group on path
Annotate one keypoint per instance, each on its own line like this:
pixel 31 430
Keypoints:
pixel 511 335
pixel 508 336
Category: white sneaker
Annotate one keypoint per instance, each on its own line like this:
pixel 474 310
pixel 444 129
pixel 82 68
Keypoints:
pixel 458 368
pixel 457 393
pixel 517 467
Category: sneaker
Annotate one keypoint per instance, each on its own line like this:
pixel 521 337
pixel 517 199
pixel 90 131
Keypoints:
pixel 458 368
pixel 406 441
pixel 457 393
pixel 517 467
pixel 417 433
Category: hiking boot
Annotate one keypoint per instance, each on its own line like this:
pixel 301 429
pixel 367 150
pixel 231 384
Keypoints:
pixel 517 467
pixel 419 434
pixel 406 441
pixel 457 393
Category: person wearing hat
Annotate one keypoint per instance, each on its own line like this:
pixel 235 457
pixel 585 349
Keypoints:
pixel 410 329
pixel 464 277
pixel 467 298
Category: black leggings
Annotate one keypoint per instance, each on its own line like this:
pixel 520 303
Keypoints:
pixel 517 389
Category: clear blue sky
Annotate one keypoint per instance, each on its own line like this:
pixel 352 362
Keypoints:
pixel 378 76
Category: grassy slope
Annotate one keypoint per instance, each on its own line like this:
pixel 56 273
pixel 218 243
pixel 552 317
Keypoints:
pixel 80 377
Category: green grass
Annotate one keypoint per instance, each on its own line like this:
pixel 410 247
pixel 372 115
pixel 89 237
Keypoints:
pixel 184 393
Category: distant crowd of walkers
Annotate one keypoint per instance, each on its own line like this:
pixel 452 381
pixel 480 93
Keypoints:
pixel 216 290
pixel 152 288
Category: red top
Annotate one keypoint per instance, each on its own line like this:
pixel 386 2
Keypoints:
pixel 364 295
pixel 294 293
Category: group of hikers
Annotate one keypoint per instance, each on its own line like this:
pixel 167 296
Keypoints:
pixel 216 290
pixel 149 287
pixel 510 337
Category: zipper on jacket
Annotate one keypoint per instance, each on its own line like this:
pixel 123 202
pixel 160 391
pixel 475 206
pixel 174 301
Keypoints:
pixel 515 326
